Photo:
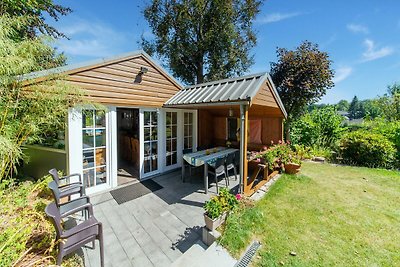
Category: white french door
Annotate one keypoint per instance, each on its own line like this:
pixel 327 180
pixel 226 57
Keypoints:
pixel 172 139
pixel 149 142
pixel 89 147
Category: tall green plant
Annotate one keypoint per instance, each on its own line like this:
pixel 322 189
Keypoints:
pixel 321 127
pixel 26 110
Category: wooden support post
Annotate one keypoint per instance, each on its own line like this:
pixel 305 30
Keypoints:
pixel 243 147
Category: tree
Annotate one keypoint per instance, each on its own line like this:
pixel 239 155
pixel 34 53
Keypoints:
pixel 26 110
pixel 202 40
pixel 35 12
pixel 301 77
pixel 343 105
pixel 354 108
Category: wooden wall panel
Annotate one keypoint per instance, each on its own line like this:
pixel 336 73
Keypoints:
pixel 265 97
pixel 212 128
pixel 119 83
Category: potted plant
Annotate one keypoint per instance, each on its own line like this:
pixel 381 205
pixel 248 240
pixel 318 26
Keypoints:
pixel 213 215
pixel 292 166
pixel 217 208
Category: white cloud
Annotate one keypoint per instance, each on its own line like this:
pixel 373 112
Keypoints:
pixel 342 74
pixel 357 28
pixel 91 39
pixel 275 17
pixel 373 53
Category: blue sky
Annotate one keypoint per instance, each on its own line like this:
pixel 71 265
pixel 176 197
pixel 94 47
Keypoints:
pixel 361 37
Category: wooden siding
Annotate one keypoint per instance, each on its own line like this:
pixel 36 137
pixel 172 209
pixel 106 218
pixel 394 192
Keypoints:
pixel 265 97
pixel 212 128
pixel 119 84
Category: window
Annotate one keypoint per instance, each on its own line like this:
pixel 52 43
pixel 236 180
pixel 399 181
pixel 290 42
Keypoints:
pixel 188 130
pixel 171 124
pixel 232 129
pixel 94 147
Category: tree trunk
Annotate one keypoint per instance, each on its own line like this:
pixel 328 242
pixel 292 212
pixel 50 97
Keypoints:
pixel 200 72
pixel 287 129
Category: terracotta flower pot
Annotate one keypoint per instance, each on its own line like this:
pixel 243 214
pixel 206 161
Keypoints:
pixel 292 168
pixel 213 224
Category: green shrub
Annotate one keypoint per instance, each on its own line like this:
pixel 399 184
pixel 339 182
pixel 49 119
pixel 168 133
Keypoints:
pixel 368 149
pixel 391 130
pixel 224 202
pixel 322 127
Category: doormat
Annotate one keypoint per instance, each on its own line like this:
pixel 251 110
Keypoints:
pixel 131 192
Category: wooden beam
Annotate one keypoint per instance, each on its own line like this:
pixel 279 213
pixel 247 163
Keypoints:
pixel 244 114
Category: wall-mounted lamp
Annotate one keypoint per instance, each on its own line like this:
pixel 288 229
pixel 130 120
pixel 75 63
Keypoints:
pixel 143 70
pixel 230 112
pixel 138 78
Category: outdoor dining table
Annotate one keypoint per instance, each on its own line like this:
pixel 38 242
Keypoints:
pixel 206 157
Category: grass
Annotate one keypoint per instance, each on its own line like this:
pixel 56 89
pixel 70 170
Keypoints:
pixel 329 215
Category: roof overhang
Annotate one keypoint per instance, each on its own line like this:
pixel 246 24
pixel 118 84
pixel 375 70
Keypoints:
pixel 226 92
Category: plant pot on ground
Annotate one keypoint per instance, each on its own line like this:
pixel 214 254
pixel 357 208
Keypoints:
pixel 213 224
pixel 217 208
pixel 292 168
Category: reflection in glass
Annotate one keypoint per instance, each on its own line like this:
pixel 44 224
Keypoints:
pixel 174 131
pixel 100 156
pixel 174 158
pixel 88 177
pixel 101 176
pixel 147 133
pixel 174 118
pixel 87 118
pixel 100 118
pixel 185 118
pixel 147 149
pixel 146 118
pixel 190 118
pixel 100 137
pixel 88 158
pixel 154 163
pixel 173 144
pixel 154 118
pixel 168 146
pixel 154 148
pixel 88 138
pixel 154 133
pixel 146 164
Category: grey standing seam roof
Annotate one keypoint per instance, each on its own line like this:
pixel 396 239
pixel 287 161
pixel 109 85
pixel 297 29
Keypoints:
pixel 229 90
pixel 232 90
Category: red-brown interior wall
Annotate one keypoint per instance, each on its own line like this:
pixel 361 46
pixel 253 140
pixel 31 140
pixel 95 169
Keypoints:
pixel 212 129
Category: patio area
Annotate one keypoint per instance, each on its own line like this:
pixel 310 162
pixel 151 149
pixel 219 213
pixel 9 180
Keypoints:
pixel 155 229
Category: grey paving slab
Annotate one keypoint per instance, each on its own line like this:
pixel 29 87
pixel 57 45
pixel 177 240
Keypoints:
pixel 153 230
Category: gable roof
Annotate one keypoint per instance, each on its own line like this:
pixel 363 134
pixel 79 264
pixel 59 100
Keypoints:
pixel 227 91
pixel 75 68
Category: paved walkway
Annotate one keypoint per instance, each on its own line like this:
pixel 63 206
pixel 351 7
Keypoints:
pixel 155 229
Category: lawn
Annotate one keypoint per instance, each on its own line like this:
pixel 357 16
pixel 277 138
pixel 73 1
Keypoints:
pixel 329 216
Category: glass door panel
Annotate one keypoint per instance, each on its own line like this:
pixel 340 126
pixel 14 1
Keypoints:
pixel 171 129
pixel 150 141
pixel 94 148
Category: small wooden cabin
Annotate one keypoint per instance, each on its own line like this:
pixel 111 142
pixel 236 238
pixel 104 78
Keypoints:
pixel 150 118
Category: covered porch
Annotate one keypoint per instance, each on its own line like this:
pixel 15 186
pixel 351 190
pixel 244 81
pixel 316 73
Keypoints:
pixel 230 109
